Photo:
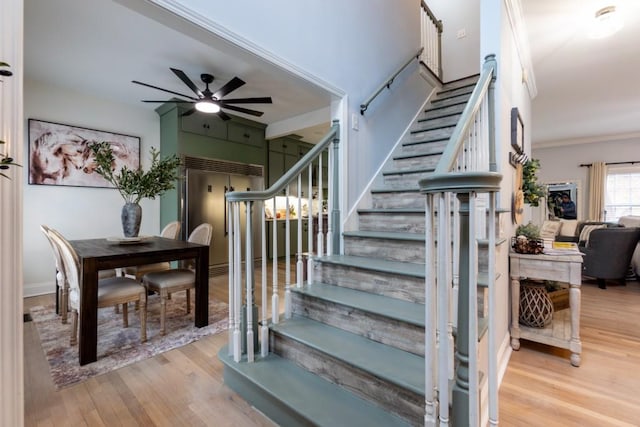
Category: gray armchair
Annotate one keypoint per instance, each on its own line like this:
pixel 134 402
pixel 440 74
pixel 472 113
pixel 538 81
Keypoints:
pixel 608 253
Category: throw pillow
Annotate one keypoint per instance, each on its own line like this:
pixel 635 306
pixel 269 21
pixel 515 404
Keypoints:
pixel 550 229
pixel 568 228
pixel 586 231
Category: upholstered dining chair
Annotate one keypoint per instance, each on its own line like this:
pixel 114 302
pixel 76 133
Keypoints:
pixel 170 231
pixel 111 291
pixel 62 288
pixel 169 281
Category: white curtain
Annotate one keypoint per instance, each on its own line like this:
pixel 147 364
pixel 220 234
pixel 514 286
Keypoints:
pixel 597 182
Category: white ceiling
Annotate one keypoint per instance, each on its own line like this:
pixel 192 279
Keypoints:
pixel 68 44
pixel 586 88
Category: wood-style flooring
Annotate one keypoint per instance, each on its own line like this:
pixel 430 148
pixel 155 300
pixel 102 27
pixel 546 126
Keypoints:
pixel 184 387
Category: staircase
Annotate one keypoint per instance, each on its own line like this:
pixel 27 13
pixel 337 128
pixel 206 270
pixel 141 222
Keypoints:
pixel 352 353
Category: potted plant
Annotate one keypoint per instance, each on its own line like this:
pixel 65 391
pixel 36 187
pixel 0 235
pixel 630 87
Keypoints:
pixel 532 191
pixel 135 185
pixel 527 240
pixel 5 162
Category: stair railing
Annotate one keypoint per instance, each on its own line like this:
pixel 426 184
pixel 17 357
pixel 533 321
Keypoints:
pixel 243 326
pixel 387 84
pixel 460 195
pixel 431 38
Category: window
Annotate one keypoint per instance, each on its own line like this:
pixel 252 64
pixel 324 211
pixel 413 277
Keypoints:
pixel 622 194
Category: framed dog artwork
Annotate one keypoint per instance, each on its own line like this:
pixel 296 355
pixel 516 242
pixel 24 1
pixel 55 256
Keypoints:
pixel 60 154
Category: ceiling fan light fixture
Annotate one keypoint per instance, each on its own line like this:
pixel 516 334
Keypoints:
pixel 207 106
pixel 607 22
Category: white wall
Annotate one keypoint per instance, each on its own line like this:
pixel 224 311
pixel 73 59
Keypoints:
pixel 459 55
pixel 561 163
pixel 78 212
pixel 352 45
pixel 501 34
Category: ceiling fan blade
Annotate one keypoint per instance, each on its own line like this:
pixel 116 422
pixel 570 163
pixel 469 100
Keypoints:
pixel 186 80
pixel 231 85
pixel 164 90
pixel 243 110
pixel 263 100
pixel 223 115
pixel 188 112
pixel 170 100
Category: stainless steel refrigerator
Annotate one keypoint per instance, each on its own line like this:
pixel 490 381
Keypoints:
pixel 204 201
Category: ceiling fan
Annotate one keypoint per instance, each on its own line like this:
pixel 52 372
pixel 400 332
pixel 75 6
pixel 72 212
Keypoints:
pixel 211 102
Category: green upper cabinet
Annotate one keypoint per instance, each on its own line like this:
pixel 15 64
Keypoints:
pixel 206 125
pixel 206 135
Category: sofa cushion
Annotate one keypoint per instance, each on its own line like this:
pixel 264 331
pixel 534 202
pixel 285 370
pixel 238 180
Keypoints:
pixel 550 229
pixel 569 227
pixel 587 229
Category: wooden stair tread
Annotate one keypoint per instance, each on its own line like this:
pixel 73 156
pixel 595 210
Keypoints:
pixel 395 366
pixel 405 311
pixel 388 235
pixel 320 402
pixel 375 264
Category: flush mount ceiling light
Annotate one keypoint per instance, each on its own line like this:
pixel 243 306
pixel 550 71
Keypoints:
pixel 607 22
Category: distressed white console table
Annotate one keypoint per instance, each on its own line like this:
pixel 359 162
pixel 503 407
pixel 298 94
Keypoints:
pixel 564 329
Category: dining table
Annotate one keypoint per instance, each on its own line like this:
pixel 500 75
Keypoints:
pixel 108 253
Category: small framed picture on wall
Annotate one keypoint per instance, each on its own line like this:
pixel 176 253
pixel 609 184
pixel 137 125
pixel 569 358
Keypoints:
pixel 517 131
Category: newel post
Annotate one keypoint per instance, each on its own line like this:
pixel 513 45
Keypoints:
pixel 335 193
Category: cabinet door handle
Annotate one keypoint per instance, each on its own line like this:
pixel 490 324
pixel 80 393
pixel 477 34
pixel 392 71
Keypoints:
pixel 246 135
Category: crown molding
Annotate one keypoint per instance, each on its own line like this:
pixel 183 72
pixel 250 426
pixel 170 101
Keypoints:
pixel 519 30
pixel 585 140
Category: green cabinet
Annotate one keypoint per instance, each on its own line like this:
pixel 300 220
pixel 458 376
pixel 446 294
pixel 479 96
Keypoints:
pixel 205 125
pixel 284 153
pixel 201 135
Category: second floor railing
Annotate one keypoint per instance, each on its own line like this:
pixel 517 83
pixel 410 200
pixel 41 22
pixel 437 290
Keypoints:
pixel 293 208
pixel 431 39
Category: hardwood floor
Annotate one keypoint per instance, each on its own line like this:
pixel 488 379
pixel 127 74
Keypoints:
pixel 541 388
pixel 185 386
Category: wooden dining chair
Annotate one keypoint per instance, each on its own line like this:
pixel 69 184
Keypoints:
pixel 111 291
pixel 169 281
pixel 170 231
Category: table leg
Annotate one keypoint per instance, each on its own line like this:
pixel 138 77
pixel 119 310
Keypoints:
pixel 575 345
pixel 515 313
pixel 202 288
pixel 88 336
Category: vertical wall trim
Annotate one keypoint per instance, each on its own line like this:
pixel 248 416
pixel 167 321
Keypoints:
pixel 11 279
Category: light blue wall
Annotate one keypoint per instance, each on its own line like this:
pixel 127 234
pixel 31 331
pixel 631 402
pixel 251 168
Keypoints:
pixel 353 45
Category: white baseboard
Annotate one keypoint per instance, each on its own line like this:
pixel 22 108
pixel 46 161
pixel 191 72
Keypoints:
pixel 35 289
pixel 504 354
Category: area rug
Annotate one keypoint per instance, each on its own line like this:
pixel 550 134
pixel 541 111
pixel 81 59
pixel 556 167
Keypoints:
pixel 118 346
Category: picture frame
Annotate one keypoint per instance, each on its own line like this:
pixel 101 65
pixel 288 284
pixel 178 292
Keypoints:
pixel 60 154
pixel 517 131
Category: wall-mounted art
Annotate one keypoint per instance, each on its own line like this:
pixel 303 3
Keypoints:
pixel 517 139
pixel 60 155
pixel 517 131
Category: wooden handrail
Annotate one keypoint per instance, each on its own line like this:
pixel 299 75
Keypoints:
pixel 389 81
pixel 457 139
pixel 284 180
